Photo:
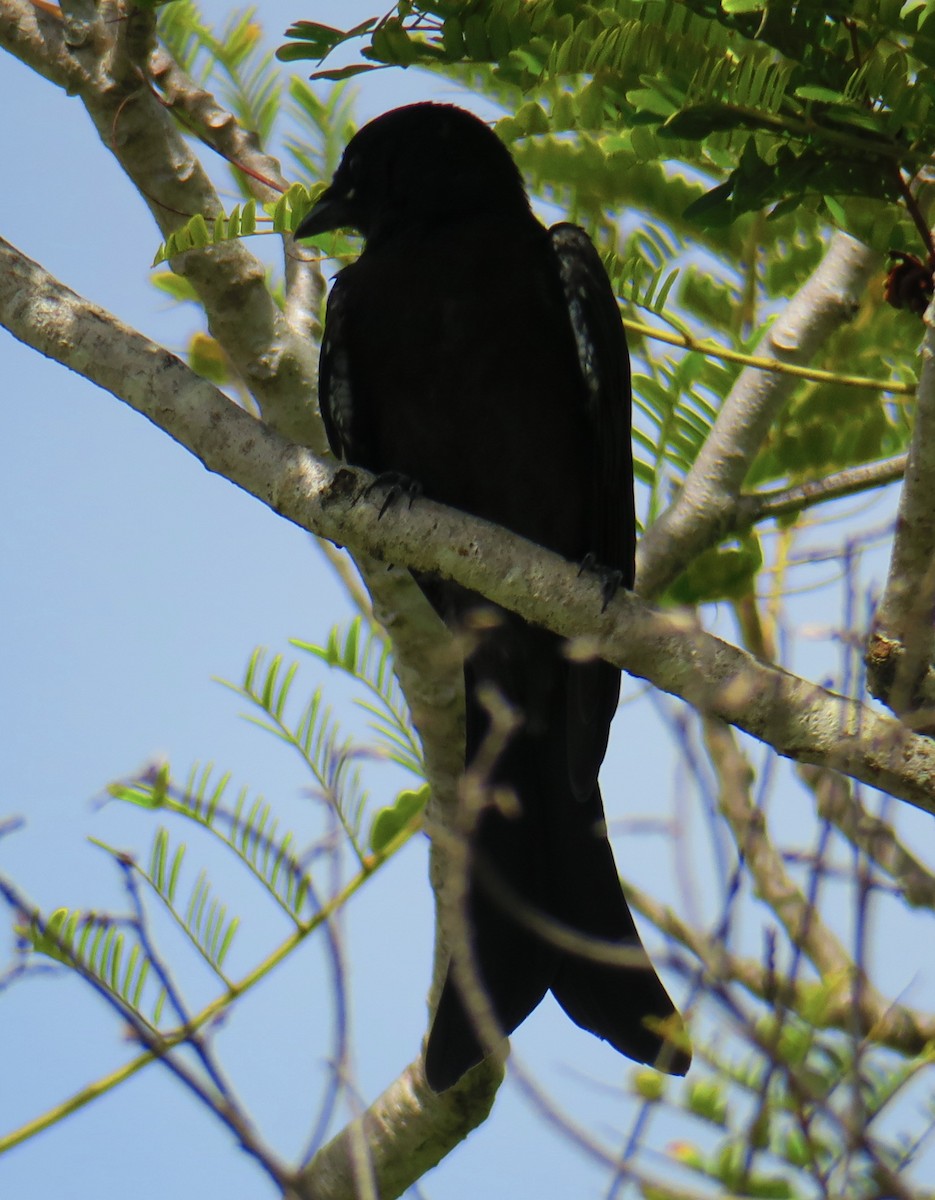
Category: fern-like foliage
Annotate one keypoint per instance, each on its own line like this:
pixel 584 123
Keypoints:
pixel 323 123
pixel 108 951
pixel 243 824
pixel 365 655
pixel 282 216
pixel 641 88
pixel 762 1147
pixel 117 953
pixel 331 758
pixel 602 103
pixel 819 111
pixel 197 233
pixel 231 60
pixel 203 918
pixel 208 919
pixel 666 131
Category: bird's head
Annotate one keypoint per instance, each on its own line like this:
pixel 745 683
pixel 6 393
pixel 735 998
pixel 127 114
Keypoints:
pixel 417 166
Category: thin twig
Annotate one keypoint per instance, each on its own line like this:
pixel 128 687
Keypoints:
pixel 709 349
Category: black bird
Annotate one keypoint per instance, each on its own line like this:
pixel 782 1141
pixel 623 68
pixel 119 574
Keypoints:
pixel 480 358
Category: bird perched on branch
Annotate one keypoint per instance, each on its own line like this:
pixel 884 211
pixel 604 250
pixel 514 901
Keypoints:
pixel 475 356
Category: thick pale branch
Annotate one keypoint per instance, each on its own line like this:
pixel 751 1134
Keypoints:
pixel 428 666
pixel 38 38
pixel 103 54
pixel 798 718
pixel 221 130
pixel 392 1134
pixel 216 126
pixel 902 646
pixel 705 510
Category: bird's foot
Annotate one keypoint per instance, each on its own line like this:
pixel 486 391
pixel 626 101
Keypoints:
pixel 609 578
pixel 397 484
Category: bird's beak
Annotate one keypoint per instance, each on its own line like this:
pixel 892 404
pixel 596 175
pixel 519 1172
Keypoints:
pixel 330 211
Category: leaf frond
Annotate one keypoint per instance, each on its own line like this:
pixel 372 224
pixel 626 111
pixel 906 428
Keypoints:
pixel 363 654
pixel 316 736
pixel 105 948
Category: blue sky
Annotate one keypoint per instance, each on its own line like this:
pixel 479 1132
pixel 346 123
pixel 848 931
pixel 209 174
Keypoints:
pixel 132 578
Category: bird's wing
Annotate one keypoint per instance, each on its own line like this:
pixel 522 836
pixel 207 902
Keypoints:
pixel 593 687
pixel 335 399
pixel 605 366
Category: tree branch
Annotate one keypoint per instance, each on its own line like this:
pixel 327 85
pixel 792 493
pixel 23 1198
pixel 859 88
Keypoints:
pixel 393 1132
pixel 800 719
pixel 706 508
pixel 754 507
pixel 115 67
pixel 771 881
pixel 902 1029
pixel 901 648
pixel 102 53
pixel 877 839
pixel 221 131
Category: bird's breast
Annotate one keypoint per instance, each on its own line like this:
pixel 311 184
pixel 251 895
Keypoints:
pixel 463 372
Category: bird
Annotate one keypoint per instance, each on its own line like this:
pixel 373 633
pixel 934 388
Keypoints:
pixel 475 357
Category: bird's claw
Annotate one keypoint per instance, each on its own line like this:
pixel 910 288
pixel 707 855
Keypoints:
pixel 609 578
pixel 397 484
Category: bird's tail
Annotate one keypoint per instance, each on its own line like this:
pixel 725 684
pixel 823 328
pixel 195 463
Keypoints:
pixel 544 907
pixel 617 995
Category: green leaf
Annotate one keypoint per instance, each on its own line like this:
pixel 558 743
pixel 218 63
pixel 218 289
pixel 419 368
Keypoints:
pixel 324 36
pixel 766 1187
pixel 197 230
pixel 145 792
pixel 59 928
pixel 366 656
pixel 390 822
pixel 316 40
pixel 816 92
pixel 714 206
pixel 207 359
pixel 176 286
pixel 703 119
pixel 707 1099
pixel 796 1150
pixel 724 573
pixel 340 73
pixel 649 1086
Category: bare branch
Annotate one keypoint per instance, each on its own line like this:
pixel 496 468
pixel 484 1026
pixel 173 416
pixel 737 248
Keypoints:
pixel 877 839
pixel 902 644
pixel 220 129
pixel 705 510
pixel 799 719
pixel 771 881
pixel 759 506
pixel 102 54
pixel 406 1132
pixel 902 1029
